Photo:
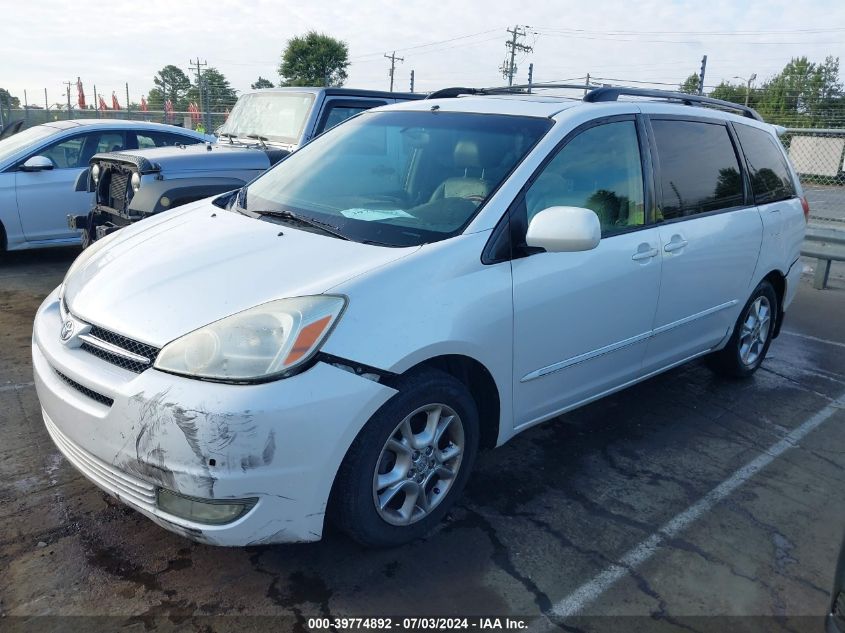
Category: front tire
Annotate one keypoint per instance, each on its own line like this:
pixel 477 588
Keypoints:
pixel 410 462
pixel 752 335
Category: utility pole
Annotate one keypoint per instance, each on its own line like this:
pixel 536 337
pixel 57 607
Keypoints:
pixel 701 75
pixel 96 102
pixel 530 76
pixel 46 103
pixel 128 116
pixel 587 83
pixel 393 59
pixel 412 81
pixel 68 84
pixel 199 66
pixel 508 68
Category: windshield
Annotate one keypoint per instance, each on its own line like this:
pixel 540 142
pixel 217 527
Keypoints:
pixel 277 116
pixel 15 143
pixel 398 178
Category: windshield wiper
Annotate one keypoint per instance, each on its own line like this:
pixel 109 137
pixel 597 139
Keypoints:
pixel 228 136
pixel 259 138
pixel 293 217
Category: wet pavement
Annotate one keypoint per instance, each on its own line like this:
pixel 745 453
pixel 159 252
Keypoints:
pixel 675 504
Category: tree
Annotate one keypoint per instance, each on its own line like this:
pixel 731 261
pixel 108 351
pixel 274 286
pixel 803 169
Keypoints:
pixel 262 83
pixel 217 94
pixel 170 83
pixel 690 85
pixel 314 59
pixel 804 94
pixel 7 100
pixel 735 93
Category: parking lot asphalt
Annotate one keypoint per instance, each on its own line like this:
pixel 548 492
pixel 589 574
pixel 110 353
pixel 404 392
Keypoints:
pixel 685 502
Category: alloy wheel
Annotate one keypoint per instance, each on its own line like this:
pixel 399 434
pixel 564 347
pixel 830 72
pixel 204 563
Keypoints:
pixel 418 464
pixel 755 331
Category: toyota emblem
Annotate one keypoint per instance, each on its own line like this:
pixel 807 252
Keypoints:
pixel 67 330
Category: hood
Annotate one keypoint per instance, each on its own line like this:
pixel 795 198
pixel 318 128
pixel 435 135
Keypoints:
pixel 200 157
pixel 164 277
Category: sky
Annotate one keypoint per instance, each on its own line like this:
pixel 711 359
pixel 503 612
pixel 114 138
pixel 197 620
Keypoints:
pixel 457 43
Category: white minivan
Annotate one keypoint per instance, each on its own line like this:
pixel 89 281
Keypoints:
pixel 340 337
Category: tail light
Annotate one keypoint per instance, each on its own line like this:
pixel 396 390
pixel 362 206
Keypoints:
pixel 806 206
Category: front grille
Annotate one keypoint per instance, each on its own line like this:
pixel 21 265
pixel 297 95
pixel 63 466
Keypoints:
pixel 132 346
pixel 97 397
pixel 118 182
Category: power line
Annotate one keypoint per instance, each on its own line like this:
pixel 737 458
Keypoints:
pixel 633 37
pixel 418 46
pixel 674 32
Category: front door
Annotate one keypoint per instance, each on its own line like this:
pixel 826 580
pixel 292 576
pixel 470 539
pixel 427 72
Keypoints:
pixel 582 320
pixel 45 198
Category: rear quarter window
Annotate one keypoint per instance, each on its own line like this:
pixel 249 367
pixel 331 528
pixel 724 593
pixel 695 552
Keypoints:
pixel 770 177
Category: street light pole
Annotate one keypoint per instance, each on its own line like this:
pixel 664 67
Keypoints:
pixel 747 85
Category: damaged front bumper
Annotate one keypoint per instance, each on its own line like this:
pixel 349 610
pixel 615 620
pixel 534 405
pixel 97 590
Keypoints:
pixel 277 444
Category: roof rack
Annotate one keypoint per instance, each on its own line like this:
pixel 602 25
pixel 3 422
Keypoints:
pixel 600 94
pixel 613 93
pixel 449 93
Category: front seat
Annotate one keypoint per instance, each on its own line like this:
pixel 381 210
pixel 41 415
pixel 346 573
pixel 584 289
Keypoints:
pixel 471 185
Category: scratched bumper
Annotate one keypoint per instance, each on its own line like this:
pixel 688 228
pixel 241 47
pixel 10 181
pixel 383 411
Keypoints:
pixel 281 442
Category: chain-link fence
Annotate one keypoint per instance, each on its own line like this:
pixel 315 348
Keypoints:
pixel 819 159
pixel 37 116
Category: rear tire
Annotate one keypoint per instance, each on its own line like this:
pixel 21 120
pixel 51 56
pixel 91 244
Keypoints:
pixel 752 335
pixel 410 462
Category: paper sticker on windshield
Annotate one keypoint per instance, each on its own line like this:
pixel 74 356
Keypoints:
pixel 368 215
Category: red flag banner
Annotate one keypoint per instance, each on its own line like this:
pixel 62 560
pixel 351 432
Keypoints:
pixel 143 104
pixel 80 100
pixel 193 108
pixel 103 105
pixel 114 102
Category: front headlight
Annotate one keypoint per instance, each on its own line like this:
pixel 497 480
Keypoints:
pixel 261 343
pixel 95 174
pixel 136 181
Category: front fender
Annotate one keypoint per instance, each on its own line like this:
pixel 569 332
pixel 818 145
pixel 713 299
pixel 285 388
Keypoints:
pixel 151 197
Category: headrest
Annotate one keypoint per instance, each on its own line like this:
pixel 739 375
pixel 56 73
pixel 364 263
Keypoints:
pixel 467 154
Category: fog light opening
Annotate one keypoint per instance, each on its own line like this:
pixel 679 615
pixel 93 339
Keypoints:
pixel 208 511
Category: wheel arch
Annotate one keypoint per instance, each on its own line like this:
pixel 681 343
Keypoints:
pixel 778 281
pixel 481 385
pixel 3 239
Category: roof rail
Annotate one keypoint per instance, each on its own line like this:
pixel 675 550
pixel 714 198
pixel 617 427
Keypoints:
pixel 451 93
pixel 448 93
pixel 613 94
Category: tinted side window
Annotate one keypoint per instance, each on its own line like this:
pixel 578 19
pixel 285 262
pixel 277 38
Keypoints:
pixel 66 154
pixel 770 177
pixel 599 169
pixel 110 142
pixel 699 171
pixel 161 139
pixel 339 112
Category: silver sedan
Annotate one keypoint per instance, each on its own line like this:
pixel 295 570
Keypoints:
pixel 39 168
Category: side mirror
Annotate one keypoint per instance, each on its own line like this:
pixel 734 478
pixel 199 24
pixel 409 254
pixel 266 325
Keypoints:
pixel 37 163
pixel 564 230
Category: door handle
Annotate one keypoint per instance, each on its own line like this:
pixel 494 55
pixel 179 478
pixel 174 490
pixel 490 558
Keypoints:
pixel 675 244
pixel 647 254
